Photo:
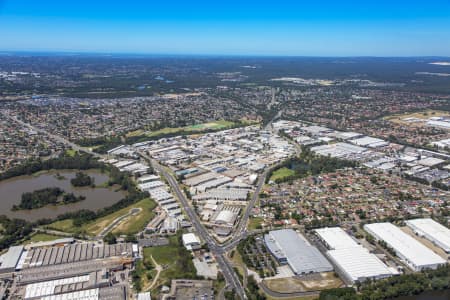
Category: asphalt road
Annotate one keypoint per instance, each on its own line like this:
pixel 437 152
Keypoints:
pixel 116 222
pixel 228 272
pixel 217 250
pixel 241 231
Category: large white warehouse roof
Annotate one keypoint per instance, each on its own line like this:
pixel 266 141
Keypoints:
pixel 433 231
pixel 353 261
pixel 336 238
pixel 358 264
pixel 413 253
pixel 9 260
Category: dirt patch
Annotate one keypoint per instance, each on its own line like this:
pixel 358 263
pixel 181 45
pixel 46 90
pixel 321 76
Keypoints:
pixel 313 282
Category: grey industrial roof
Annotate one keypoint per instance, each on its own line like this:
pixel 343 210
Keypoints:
pixel 10 258
pixel 144 296
pixel 301 256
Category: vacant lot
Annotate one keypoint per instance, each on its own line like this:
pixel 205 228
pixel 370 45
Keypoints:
pixel 130 225
pixel 42 237
pixel 281 173
pixel 175 260
pixel 255 223
pixel 313 282
pixel 216 125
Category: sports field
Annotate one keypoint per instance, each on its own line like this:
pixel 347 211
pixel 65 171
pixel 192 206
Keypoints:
pixel 216 125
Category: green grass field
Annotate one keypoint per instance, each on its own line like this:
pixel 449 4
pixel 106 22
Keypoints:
pixel 42 237
pixel 174 258
pixel 216 125
pixel 136 223
pixel 129 226
pixel 281 173
pixel 63 225
pixel 71 152
pixel 254 223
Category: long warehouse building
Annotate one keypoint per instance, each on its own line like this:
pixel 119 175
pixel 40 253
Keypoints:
pixel 432 231
pixel 409 250
pixel 287 246
pixel 353 262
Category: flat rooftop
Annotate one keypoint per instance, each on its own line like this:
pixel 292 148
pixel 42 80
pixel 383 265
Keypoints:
pixel 409 249
pixel 432 230
pixel 301 256
pixel 336 238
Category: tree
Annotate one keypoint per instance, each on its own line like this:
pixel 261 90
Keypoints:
pixel 110 238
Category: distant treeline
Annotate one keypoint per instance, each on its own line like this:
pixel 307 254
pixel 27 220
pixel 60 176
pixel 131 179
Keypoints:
pixel 80 161
pixel 308 163
pixel 105 143
pixel 397 286
pixel 13 230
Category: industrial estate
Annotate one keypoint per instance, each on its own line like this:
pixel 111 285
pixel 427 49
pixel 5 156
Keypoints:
pixel 274 188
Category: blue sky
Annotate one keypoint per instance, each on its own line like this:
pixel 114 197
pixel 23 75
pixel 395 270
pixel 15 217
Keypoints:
pixel 306 28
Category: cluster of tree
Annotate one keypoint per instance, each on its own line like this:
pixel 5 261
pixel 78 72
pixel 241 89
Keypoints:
pixel 252 291
pixel 187 193
pixel 326 221
pixel 297 216
pixel 13 230
pixel 71 198
pixel 39 198
pixel 347 293
pixel 440 185
pixel 110 238
pixel 103 144
pixel 389 249
pixel 137 275
pixel 121 178
pixel 181 132
pixel 46 196
pixel 80 161
pixel 82 179
pixel 397 286
pixel 83 216
pixel 243 249
pixel 184 260
pixel 308 163
pixel 230 295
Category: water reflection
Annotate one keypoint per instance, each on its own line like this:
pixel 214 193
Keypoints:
pixel 12 189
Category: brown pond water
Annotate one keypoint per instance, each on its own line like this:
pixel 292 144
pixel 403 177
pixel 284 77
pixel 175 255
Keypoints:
pixel 11 191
